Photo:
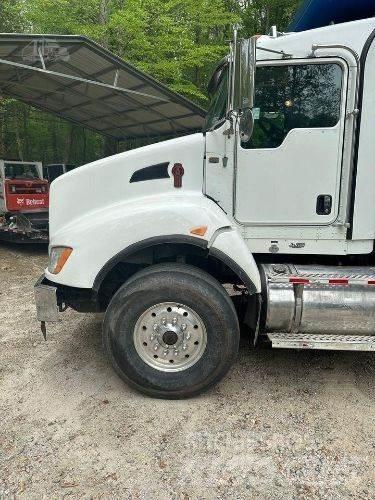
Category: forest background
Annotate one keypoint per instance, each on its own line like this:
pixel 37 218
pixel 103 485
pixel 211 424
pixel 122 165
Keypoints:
pixel 178 42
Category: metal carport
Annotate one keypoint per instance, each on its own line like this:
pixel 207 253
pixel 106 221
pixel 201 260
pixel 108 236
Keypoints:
pixel 80 81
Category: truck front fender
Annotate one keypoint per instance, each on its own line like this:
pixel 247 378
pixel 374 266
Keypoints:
pixel 228 246
pixel 101 237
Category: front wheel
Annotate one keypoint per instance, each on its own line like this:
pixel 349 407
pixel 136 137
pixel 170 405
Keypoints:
pixel 171 331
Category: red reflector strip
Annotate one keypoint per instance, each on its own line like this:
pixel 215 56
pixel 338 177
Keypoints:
pixel 299 281
pixel 371 282
pixel 339 281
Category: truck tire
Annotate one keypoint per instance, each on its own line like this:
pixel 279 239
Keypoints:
pixel 171 331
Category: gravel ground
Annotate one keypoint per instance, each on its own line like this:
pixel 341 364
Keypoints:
pixel 282 424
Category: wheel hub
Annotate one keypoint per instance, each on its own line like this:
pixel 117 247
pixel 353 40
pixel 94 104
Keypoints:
pixel 170 337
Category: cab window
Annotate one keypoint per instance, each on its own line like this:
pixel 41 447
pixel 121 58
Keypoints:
pixel 218 108
pixel 294 96
pixel 21 171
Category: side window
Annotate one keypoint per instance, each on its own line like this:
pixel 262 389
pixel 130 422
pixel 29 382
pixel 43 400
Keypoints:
pixel 218 106
pixel 294 96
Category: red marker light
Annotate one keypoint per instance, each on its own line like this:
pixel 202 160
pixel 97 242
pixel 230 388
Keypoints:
pixel 338 281
pixel 299 281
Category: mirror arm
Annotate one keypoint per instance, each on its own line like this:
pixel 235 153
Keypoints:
pixel 229 131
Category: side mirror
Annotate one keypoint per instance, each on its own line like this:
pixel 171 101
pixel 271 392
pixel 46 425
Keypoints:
pixel 244 73
pixel 244 85
pixel 246 125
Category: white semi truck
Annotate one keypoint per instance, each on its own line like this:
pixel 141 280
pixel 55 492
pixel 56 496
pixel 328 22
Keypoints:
pixel 275 197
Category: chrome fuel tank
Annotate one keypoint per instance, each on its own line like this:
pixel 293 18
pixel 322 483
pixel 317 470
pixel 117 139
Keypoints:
pixel 327 300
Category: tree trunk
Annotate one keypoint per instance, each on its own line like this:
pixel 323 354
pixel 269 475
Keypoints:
pixel 110 146
pixel 55 148
pixel 84 150
pixel 103 19
pixel 69 143
pixel 17 133
pixel 25 128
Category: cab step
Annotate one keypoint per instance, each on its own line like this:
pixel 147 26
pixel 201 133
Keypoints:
pixel 326 342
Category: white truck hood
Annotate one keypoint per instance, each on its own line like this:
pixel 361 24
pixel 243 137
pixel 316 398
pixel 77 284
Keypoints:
pixel 110 181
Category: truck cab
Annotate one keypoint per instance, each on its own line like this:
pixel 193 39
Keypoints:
pixel 24 199
pixel 273 198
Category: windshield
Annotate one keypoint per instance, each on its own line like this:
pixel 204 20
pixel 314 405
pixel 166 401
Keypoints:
pixel 21 171
pixel 218 107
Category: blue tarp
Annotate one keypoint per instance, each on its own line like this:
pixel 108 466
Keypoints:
pixel 317 13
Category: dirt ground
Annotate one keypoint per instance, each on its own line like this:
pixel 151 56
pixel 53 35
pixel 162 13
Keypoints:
pixel 282 424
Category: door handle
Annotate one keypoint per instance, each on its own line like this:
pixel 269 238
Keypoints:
pixel 324 204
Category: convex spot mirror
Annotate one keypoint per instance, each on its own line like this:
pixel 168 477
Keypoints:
pixel 246 125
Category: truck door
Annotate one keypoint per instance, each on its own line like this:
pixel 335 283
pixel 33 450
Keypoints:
pixel 289 172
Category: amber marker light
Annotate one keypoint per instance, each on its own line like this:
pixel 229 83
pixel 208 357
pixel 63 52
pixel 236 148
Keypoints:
pixel 199 231
pixel 58 258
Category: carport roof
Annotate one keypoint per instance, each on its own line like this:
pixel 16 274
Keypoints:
pixel 80 81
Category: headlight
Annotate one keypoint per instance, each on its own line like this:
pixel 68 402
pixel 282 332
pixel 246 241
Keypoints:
pixel 57 258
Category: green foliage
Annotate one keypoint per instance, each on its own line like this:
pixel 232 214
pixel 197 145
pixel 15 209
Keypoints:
pixel 259 15
pixel 11 18
pixel 175 41
pixel 178 42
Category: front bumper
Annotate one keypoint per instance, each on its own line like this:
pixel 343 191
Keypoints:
pixel 52 298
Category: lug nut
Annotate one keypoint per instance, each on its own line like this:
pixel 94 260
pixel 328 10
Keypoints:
pixel 152 337
pixel 165 353
pixel 176 353
pixel 183 327
pixel 188 336
pixel 156 347
pixel 155 327
pixel 184 347
pixel 164 321
pixel 174 321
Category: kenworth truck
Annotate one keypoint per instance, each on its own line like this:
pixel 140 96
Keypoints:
pixel 276 197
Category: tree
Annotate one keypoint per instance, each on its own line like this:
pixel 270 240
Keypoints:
pixel 178 42
pixel 11 18
pixel 259 15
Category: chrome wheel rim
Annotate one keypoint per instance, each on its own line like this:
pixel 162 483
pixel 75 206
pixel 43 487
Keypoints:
pixel 170 337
